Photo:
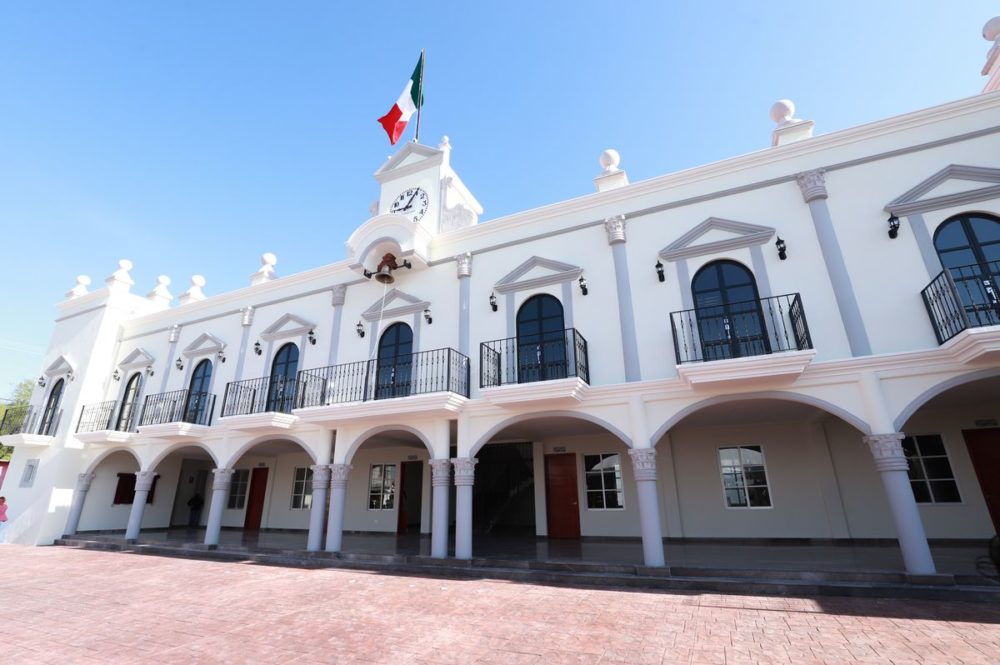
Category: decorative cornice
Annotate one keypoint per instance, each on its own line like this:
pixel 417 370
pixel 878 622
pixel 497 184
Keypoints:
pixel 615 228
pixel 288 325
pixel 888 451
pixel 222 479
pixel 83 481
pixel 440 472
pixel 643 463
pixel 139 357
pixel 561 272
pixel 745 235
pixel 465 470
pixel 380 308
pixel 203 345
pixel 463 264
pixel 58 367
pixel 321 477
pixel 812 184
pixel 339 474
pixel 911 202
pixel 144 480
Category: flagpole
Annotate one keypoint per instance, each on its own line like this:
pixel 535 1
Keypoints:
pixel 420 96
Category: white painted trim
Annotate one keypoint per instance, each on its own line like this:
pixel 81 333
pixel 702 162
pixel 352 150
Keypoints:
pixel 561 272
pixel 203 345
pixel 749 235
pixel 277 330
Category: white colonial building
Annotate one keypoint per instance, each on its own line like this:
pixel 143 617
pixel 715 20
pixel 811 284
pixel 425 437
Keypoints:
pixel 799 343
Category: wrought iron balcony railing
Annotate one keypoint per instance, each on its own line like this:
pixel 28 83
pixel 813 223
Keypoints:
pixel 742 329
pixel 963 297
pixel 558 354
pixel 270 393
pixel 179 406
pixel 102 416
pixel 30 420
pixel 440 370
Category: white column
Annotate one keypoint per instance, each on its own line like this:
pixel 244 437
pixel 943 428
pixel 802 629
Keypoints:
pixel 76 508
pixel 615 228
pixel 440 480
pixel 222 480
pixel 465 471
pixel 644 468
pixel 892 465
pixel 338 497
pixel 143 483
pixel 320 486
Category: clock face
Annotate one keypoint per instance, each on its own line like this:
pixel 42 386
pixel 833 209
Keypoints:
pixel 411 203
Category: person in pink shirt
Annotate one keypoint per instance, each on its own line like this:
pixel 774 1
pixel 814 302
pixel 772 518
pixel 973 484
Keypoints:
pixel 3 519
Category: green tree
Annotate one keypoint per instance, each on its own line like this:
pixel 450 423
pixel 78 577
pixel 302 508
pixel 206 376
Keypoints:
pixel 21 397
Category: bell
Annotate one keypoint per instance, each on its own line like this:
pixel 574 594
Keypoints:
pixel 384 276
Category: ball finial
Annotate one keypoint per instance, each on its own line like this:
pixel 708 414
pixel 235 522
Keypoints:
pixel 992 29
pixel 268 259
pixel 610 159
pixel 125 264
pixel 82 280
pixel 782 110
pixel 197 280
pixel 163 280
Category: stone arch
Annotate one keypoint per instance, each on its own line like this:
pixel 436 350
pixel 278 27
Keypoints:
pixel 832 409
pixel 166 452
pixel 513 420
pixel 930 393
pixel 367 434
pixel 246 447
pixel 104 454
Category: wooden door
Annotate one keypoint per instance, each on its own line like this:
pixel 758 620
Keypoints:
pixel 562 496
pixel 255 500
pixel 984 449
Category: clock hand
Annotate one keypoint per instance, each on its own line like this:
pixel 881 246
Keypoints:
pixel 410 202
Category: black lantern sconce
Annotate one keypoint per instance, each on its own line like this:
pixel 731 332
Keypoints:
pixel 149 370
pixel 221 355
pixel 583 285
pixel 780 244
pixel 179 364
pixel 117 376
pixel 256 348
pixel 893 226
pixel 360 329
pixel 659 271
pixel 311 335
pixel 70 376
pixel 427 316
pixel 42 381
pixel 493 301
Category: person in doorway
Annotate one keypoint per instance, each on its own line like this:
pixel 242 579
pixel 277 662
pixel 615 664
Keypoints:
pixel 195 503
pixel 3 520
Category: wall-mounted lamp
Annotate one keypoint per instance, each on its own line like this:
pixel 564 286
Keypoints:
pixel 256 348
pixel 360 328
pixel 893 226
pixel 117 376
pixel 312 337
pixel 70 376
pixel 42 381
pixel 427 316
pixel 149 370
pixel 179 364
pixel 583 285
pixel 493 302
pixel 367 273
pixel 780 244
pixel 221 355
pixel 659 271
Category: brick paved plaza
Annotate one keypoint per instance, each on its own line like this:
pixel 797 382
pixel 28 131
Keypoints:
pixel 74 606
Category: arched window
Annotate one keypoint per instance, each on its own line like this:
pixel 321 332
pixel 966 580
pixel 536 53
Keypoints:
pixel 126 414
pixel 50 417
pixel 969 248
pixel 199 405
pixel 395 362
pixel 727 307
pixel 541 340
pixel 281 388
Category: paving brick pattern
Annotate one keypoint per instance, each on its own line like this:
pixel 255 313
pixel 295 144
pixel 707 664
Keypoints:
pixel 59 605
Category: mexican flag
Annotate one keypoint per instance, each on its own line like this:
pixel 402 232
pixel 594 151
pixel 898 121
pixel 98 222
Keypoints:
pixel 409 101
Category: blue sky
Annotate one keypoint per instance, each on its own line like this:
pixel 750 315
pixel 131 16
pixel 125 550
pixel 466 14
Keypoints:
pixel 191 137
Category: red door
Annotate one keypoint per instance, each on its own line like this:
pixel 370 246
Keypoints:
pixel 984 449
pixel 255 500
pixel 562 496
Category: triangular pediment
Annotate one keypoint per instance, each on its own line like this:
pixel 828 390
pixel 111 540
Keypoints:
pixel 954 185
pixel 537 272
pixel 139 357
pixel 716 235
pixel 411 157
pixel 287 325
pixel 395 303
pixel 204 344
pixel 59 366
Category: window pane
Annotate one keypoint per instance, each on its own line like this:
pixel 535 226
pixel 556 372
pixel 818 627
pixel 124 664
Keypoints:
pixel 612 500
pixel 375 482
pixel 731 479
pixel 387 502
pixel 930 445
pixel 610 480
pixel 729 457
pixel 759 496
pixel 755 475
pixel 373 501
pixel 595 500
pixel 916 469
pixel 985 229
pixel 591 462
pixel 937 467
pixel 752 455
pixel 296 501
pixel 909 447
pixel 593 481
pixel 735 498
pixel 945 491
pixel 612 461
pixel 307 501
pixel 920 492
pixel 390 475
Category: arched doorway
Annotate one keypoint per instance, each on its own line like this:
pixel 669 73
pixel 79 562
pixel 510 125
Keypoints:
pixel 969 248
pixel 541 340
pixel 50 416
pixel 199 403
pixel 727 306
pixel 108 502
pixel 395 362
pixel 281 387
pixel 130 398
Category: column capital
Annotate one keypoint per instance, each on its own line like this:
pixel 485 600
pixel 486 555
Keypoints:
pixel 812 184
pixel 321 476
pixel 246 315
pixel 339 473
pixel 887 450
pixel 440 472
pixel 338 294
pixel 643 463
pixel 222 479
pixel 463 265
pixel 615 228
pixel 83 481
pixel 144 480
pixel 465 470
